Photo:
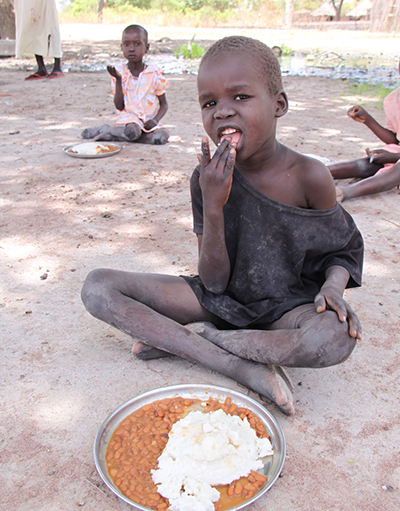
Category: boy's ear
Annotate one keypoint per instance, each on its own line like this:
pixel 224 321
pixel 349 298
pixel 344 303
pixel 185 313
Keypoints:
pixel 282 104
pixel 147 47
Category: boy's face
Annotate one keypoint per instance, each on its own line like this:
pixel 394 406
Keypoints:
pixel 134 45
pixel 235 102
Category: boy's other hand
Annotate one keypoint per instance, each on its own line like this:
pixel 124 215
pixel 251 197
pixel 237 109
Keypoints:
pixel 113 72
pixel 357 113
pixel 330 299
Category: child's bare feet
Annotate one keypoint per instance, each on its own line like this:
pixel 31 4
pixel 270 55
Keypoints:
pixel 339 194
pixel 267 381
pixel 145 352
pixel 93 132
pixel 270 381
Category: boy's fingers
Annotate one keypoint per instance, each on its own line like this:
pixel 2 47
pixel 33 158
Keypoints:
pixel 230 162
pixel 320 304
pixel 205 152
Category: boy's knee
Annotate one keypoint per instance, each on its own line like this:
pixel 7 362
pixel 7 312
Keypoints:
pixel 336 343
pixel 94 289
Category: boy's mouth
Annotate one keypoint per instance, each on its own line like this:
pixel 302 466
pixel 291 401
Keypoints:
pixel 234 134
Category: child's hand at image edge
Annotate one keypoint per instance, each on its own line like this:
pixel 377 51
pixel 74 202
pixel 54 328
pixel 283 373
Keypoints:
pixel 358 113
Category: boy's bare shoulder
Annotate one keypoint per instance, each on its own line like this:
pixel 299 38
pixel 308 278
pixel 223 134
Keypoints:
pixel 315 180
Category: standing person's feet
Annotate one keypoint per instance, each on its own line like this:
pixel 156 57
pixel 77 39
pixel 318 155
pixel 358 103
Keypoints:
pixel 37 76
pixel 56 74
pixel 57 71
pixel 41 71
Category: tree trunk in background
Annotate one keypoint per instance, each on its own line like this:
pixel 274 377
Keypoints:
pixel 100 12
pixel 337 5
pixel 385 16
pixel 7 19
pixel 289 13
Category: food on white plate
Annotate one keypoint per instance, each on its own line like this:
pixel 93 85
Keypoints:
pixel 92 148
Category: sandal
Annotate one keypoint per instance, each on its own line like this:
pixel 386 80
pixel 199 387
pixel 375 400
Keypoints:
pixel 56 74
pixel 35 76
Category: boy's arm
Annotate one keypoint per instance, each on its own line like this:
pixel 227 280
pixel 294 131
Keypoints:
pixel 331 297
pixel 216 175
pixel 359 114
pixel 119 93
pixel 160 114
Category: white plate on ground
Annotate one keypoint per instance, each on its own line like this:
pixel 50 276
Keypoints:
pixel 92 149
pixel 272 464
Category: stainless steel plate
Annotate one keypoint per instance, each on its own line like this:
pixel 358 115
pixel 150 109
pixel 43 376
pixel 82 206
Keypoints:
pixel 272 464
pixel 87 148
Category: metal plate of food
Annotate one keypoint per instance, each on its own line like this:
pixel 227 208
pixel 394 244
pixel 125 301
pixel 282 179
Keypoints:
pixel 271 465
pixel 92 150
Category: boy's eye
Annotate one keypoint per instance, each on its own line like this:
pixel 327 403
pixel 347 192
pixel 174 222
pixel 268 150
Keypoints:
pixel 240 97
pixel 209 104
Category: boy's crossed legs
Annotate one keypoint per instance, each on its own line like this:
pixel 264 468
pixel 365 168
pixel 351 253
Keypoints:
pixel 154 308
pixel 126 133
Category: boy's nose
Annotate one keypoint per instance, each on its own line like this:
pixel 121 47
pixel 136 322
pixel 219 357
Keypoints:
pixel 223 113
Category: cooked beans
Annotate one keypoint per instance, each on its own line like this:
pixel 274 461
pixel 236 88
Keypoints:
pixel 138 441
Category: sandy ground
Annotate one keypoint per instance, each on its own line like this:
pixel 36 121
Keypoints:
pixel 64 372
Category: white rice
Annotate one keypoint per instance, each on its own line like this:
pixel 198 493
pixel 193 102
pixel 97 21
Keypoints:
pixel 205 450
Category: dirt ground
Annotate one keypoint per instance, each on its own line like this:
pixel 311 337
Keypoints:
pixel 63 371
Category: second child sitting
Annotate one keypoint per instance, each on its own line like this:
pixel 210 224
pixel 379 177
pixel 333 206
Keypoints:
pixel 139 95
pixel 379 171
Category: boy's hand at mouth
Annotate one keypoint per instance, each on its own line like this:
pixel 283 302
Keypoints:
pixel 216 173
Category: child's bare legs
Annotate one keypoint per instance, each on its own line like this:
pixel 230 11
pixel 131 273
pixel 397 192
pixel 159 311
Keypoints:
pixel 121 133
pixel 154 308
pixel 360 168
pixel 301 338
pixel 126 133
pixel 156 137
pixel 374 184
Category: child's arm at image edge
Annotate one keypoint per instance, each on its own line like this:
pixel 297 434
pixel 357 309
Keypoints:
pixel 359 114
pixel 331 297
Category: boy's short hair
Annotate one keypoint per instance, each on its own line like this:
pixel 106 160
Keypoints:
pixel 137 28
pixel 264 58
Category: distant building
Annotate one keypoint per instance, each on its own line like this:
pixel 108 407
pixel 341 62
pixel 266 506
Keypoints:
pixel 361 11
pixel 324 13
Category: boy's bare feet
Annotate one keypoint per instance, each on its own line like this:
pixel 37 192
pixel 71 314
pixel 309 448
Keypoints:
pixel 145 352
pixel 267 381
pixel 270 381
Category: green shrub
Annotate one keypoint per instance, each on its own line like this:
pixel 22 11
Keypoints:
pixel 190 51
